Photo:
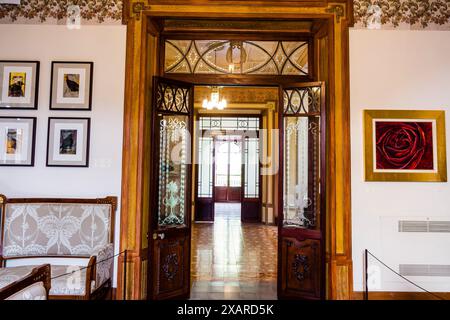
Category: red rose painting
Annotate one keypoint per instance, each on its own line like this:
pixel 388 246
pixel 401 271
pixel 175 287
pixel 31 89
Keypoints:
pixel 404 145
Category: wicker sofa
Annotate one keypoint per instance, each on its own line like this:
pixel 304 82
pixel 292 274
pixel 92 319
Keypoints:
pixel 58 230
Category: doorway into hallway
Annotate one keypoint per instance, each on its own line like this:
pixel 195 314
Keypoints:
pixel 289 193
pixel 234 255
pixel 232 260
pixel 228 168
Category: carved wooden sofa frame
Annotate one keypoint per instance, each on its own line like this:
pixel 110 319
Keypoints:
pixel 103 257
pixel 18 290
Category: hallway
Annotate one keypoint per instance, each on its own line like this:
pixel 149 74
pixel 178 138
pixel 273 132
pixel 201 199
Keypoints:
pixel 233 261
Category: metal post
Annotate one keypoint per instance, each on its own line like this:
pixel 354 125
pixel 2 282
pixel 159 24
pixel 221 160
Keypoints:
pixel 366 283
pixel 125 275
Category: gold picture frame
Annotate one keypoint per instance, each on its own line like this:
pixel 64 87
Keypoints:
pixel 405 145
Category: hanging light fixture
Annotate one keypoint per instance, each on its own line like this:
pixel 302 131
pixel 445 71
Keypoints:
pixel 215 102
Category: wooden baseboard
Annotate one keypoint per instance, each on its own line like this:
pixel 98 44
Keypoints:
pixel 394 295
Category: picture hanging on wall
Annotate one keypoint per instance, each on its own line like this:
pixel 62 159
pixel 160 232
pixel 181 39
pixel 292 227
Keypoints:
pixel 17 141
pixel 19 84
pixel 405 145
pixel 71 87
pixel 68 142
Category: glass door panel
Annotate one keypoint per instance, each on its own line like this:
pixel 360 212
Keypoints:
pixel 205 167
pixel 235 156
pixel 251 202
pixel 174 142
pixel 222 156
pixel 302 172
pixel 251 161
pixel 301 236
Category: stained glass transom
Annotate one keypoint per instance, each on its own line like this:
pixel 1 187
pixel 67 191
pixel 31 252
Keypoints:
pixel 236 57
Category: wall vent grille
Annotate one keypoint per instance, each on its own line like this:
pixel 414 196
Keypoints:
pixel 424 226
pixel 424 270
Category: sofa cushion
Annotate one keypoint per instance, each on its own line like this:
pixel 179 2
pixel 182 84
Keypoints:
pixel 69 280
pixel 12 274
pixel 36 291
pixel 49 229
pixel 65 279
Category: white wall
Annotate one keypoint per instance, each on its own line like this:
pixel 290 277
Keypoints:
pixel 398 70
pixel 105 46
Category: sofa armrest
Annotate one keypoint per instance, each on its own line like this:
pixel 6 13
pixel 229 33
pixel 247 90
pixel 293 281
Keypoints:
pixel 104 264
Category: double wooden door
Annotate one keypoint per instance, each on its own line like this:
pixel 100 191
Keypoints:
pixel 228 168
pixel 301 218
pixel 229 171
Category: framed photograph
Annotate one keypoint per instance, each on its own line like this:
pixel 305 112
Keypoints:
pixel 68 142
pixel 19 84
pixel 17 141
pixel 405 145
pixel 71 87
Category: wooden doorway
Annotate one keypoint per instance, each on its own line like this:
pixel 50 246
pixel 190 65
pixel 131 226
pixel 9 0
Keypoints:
pixel 228 168
pixel 281 62
pixel 326 22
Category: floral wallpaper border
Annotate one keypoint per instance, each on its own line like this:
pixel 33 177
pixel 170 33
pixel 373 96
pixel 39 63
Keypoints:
pixel 56 11
pixel 372 14
pixel 402 14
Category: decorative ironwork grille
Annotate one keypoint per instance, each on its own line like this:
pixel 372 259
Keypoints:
pixel 172 98
pixel 236 57
pixel 298 101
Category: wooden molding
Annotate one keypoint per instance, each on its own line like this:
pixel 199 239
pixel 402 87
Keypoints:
pixel 137 8
pixel 338 10
pixel 394 295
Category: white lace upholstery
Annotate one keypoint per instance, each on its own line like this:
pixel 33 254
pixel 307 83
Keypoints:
pixel 36 291
pixel 61 230
pixel 13 274
pixel 105 264
pixel 37 229
pixel 68 280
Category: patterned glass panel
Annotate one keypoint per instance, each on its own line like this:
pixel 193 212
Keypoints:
pixel 229 123
pixel 251 159
pixel 205 167
pixel 172 98
pixel 302 100
pixel 301 171
pixel 236 57
pixel 174 145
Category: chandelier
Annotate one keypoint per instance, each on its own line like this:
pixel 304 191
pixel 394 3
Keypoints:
pixel 215 102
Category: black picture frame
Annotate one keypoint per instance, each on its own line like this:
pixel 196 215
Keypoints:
pixel 54 82
pixel 33 142
pixel 35 92
pixel 86 147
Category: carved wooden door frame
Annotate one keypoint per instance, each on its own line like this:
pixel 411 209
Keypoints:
pixel 336 18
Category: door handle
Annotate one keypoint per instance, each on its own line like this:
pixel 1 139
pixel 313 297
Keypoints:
pixel 159 235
